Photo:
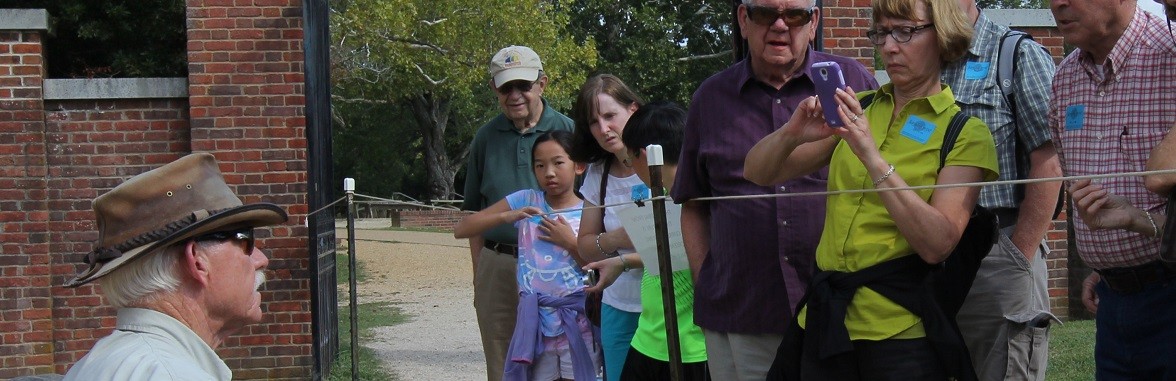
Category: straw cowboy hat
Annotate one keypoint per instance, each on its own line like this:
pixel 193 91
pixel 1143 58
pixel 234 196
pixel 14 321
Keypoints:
pixel 164 206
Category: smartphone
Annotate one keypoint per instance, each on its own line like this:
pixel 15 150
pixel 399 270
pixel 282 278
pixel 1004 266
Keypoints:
pixel 827 77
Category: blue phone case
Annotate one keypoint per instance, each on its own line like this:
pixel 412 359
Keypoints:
pixel 827 77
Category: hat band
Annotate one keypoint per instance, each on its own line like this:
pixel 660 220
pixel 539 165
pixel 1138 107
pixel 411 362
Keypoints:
pixel 104 254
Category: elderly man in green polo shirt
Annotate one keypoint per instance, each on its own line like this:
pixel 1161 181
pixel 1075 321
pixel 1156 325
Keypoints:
pixel 500 164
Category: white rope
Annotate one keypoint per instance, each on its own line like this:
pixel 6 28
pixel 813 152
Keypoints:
pixel 938 186
pixel 328 206
pixel 388 201
pixel 821 193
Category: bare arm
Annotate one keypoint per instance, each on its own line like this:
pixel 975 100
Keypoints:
pixel 1035 218
pixel 591 225
pixel 1162 157
pixel 494 215
pixel 695 234
pixel 801 146
pixel 934 228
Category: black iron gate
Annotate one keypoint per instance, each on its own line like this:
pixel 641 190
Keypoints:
pixel 323 285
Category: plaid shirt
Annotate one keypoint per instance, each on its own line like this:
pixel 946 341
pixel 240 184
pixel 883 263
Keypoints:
pixel 979 96
pixel 1106 119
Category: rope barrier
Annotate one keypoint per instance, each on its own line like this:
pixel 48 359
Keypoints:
pixel 806 194
pixel 852 191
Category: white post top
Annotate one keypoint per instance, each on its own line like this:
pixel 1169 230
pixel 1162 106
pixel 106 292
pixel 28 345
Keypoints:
pixel 349 185
pixel 653 153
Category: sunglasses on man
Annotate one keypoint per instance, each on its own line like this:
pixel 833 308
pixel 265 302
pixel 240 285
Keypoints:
pixel 766 16
pixel 521 86
pixel 244 235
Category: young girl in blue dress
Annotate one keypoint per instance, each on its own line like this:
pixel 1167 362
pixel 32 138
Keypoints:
pixel 553 339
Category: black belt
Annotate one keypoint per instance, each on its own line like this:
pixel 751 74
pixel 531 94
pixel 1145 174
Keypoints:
pixel 504 248
pixel 1136 278
pixel 1005 217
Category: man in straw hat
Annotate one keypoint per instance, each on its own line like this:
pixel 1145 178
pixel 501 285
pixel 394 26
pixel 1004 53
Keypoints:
pixel 176 256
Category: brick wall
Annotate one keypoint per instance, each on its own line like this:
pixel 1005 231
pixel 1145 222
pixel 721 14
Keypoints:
pixel 25 304
pixel 438 219
pixel 57 153
pixel 246 97
pixel 93 146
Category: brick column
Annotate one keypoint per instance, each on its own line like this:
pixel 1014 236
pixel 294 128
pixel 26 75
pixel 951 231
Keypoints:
pixel 845 26
pixel 246 107
pixel 26 323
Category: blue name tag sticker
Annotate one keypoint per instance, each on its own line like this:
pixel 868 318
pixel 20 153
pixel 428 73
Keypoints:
pixel 976 70
pixel 918 129
pixel 640 192
pixel 1075 117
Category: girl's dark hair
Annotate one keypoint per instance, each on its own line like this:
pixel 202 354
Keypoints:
pixel 564 138
pixel 586 149
pixel 660 122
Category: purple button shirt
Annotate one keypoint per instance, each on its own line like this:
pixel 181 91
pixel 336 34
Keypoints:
pixel 761 251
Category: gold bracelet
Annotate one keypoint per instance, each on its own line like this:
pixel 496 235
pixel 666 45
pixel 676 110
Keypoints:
pixel 1155 230
pixel 884 177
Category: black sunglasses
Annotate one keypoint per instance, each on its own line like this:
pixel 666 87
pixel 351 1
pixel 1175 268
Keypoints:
pixel 522 86
pixel 767 16
pixel 239 235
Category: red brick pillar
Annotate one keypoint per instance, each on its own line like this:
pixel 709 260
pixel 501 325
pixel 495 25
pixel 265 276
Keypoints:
pixel 845 26
pixel 26 324
pixel 245 88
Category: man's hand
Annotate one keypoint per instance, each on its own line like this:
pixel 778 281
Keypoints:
pixel 1099 208
pixel 1089 297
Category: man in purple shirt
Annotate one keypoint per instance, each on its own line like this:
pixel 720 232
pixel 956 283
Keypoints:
pixel 752 259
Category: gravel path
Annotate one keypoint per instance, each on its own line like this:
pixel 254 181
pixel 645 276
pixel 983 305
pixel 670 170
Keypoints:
pixel 428 276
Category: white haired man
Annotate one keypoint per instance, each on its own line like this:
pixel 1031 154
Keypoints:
pixel 176 256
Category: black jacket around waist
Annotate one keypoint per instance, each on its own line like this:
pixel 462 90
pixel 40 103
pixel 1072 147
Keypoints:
pixel 905 281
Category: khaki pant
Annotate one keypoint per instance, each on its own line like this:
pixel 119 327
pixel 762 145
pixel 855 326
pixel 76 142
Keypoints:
pixel 740 357
pixel 1005 318
pixel 496 300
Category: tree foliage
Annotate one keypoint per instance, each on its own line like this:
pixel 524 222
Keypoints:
pixel 662 48
pixel 428 60
pixel 112 38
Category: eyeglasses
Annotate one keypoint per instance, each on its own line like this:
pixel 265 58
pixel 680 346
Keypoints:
pixel 767 16
pixel 522 86
pixel 245 235
pixel 900 34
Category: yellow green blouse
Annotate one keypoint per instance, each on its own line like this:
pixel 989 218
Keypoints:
pixel 859 231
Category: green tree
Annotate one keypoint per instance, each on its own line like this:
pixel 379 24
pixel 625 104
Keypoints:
pixel 429 58
pixel 662 48
pixel 112 38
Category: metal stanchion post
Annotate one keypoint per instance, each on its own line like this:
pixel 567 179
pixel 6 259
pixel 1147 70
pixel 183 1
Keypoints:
pixel 349 188
pixel 654 154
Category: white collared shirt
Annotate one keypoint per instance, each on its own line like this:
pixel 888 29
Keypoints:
pixel 149 345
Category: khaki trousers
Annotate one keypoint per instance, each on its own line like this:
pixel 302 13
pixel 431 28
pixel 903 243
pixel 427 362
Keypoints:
pixel 496 300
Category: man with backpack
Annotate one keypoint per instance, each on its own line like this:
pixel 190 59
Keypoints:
pixel 1005 79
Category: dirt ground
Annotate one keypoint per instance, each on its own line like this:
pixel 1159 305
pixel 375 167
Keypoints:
pixel 428 276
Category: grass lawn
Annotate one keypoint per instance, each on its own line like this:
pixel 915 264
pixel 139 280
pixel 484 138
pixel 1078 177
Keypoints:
pixel 1071 351
pixel 371 315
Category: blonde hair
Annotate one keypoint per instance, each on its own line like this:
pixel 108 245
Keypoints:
pixel 952 28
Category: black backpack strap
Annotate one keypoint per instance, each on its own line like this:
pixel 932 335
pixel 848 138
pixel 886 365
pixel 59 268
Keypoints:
pixel 949 138
pixel 866 100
